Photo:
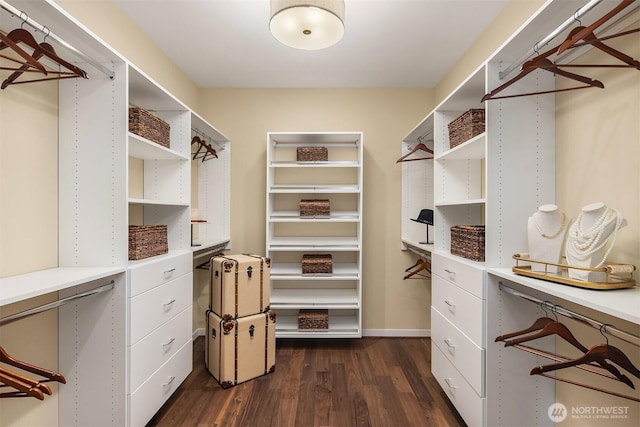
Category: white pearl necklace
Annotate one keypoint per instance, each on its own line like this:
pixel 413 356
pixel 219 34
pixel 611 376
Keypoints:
pixel 553 235
pixel 582 244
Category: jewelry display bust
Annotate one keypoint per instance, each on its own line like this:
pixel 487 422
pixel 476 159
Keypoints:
pixel 546 230
pixel 590 240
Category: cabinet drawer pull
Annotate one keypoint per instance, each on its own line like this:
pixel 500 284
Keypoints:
pixel 448 343
pixel 449 303
pixel 168 343
pixel 448 381
pixel 167 273
pixel 451 272
pixel 169 303
pixel 167 384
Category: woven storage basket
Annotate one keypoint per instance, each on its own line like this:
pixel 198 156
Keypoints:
pixel 317 263
pixel 147 125
pixel 147 240
pixel 315 207
pixel 313 319
pixel 467 241
pixel 312 154
pixel 465 127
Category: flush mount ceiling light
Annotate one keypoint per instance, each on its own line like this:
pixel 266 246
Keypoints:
pixel 307 24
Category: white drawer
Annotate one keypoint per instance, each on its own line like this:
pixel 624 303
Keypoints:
pixel 147 275
pixel 465 274
pixel 155 307
pixel 146 401
pixel 470 406
pixel 464 310
pixel 151 352
pixel 465 355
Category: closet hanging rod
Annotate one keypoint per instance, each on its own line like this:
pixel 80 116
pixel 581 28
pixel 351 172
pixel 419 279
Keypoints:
pixel 45 30
pixel 603 327
pixel 419 253
pixel 55 304
pixel 205 136
pixel 540 44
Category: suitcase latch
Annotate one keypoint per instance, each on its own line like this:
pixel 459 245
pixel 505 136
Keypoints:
pixel 249 271
pixel 213 332
pixel 251 330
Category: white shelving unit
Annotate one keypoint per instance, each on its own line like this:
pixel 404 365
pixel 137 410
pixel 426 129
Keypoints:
pixel 130 345
pixel 289 235
pixel 498 179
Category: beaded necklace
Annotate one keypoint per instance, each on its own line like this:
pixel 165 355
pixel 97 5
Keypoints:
pixel 550 236
pixel 582 244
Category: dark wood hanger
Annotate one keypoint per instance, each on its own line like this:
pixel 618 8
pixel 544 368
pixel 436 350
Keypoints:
pixel 7 42
pixel 579 35
pixel 20 35
pixel 59 75
pixel 560 330
pixel 419 147
pixel 209 151
pixel 30 382
pixel 544 64
pixel 23 389
pixel 540 323
pixel 599 354
pixel 421 266
pixel 53 376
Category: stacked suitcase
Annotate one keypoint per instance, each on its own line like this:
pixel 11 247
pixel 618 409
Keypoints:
pixel 241 337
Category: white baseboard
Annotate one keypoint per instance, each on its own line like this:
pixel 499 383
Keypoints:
pixel 396 333
pixel 198 333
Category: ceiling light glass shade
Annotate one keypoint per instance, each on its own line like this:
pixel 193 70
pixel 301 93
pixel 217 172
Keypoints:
pixel 307 24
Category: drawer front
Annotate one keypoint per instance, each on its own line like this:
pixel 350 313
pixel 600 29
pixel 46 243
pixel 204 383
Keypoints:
pixel 148 399
pixel 470 406
pixel 157 306
pixel 154 273
pixel 469 277
pixel 464 310
pixel 465 355
pixel 155 349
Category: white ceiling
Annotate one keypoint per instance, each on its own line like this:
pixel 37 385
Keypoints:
pixel 387 43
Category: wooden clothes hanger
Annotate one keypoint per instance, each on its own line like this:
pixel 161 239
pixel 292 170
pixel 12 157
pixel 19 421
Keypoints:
pixel 7 42
pixel 541 61
pixel 540 323
pixel 421 265
pixel 419 147
pixel 50 375
pixel 209 152
pixel 23 389
pixel 560 330
pixel 579 35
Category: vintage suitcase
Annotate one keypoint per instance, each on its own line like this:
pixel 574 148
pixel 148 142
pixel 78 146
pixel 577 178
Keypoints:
pixel 240 285
pixel 237 350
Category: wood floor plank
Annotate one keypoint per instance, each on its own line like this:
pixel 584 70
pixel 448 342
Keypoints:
pixel 368 382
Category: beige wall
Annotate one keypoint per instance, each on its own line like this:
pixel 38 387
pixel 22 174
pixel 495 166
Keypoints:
pixel 598 150
pixel 385 116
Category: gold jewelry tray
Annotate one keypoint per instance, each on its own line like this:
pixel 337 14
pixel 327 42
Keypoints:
pixel 617 276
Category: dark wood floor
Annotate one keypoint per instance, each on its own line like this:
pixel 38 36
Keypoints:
pixel 339 383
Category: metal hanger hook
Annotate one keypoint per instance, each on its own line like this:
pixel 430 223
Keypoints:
pixel 25 19
pixel 554 310
pixel 46 33
pixel 603 331
pixel 576 17
pixel 543 305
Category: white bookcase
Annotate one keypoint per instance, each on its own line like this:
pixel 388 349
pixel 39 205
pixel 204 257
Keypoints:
pixel 289 235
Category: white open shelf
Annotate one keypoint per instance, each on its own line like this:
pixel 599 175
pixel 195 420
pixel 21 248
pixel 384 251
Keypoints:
pixel 142 148
pixel 314 298
pixel 293 271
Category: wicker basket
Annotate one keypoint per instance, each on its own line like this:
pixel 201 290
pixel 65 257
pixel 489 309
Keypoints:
pixel 317 263
pixel 312 154
pixel 313 319
pixel 315 207
pixel 147 240
pixel 465 127
pixel 149 126
pixel 467 241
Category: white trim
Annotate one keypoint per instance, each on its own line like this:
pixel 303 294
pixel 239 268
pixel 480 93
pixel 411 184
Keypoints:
pixel 396 333
pixel 198 333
